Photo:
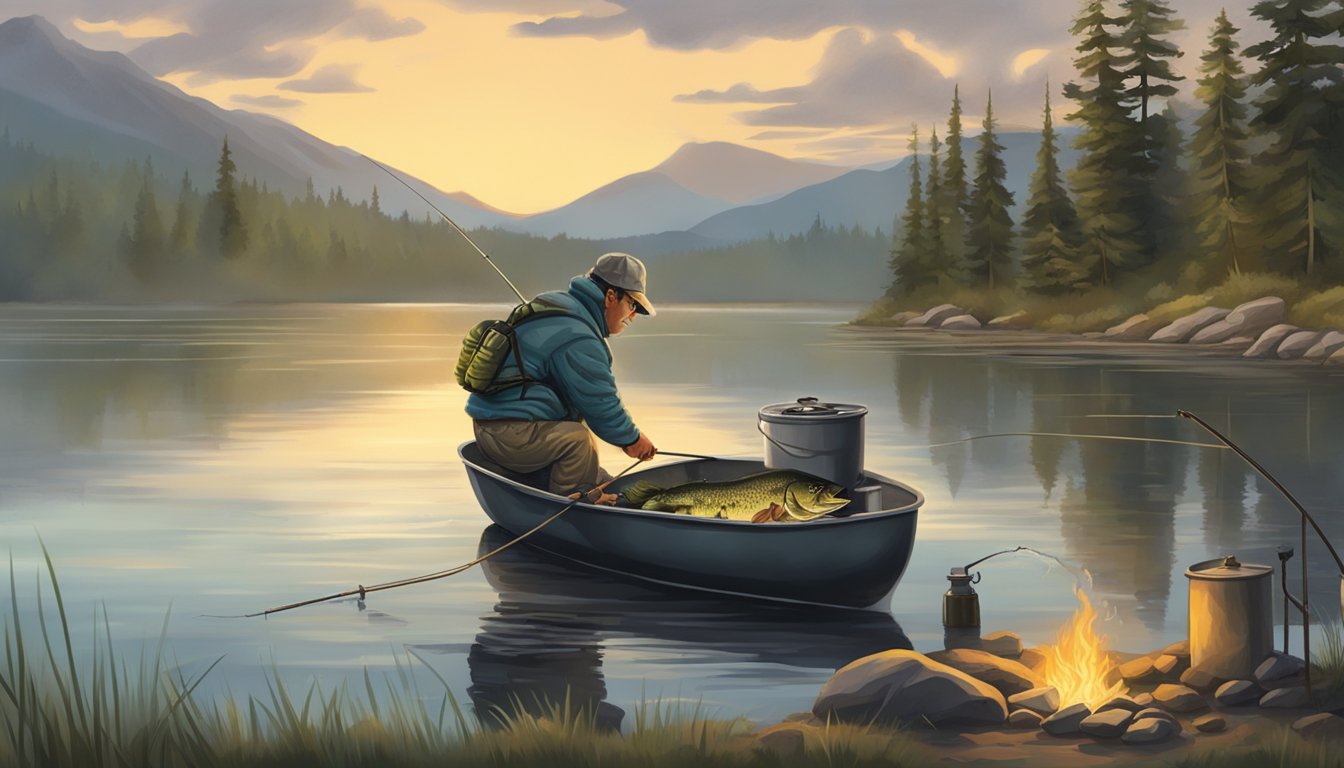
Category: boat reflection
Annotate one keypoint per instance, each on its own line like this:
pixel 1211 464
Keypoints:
pixel 543 644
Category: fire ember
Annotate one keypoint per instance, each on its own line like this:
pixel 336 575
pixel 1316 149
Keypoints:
pixel 1077 665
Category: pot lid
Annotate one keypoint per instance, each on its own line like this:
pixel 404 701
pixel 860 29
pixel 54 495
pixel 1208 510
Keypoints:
pixel 1226 568
pixel 809 409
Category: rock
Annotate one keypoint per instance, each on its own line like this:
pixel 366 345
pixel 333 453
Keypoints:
pixel 1066 722
pixel 1150 730
pixel 1237 342
pixel 1178 698
pixel 1033 659
pixel 1285 698
pixel 934 317
pixel 1136 328
pixel 902 686
pixel 961 323
pixel 1180 650
pixel 1008 676
pixel 1043 700
pixel 1144 699
pixel 784 739
pixel 1297 344
pixel 802 717
pixel 1016 320
pixel 1278 666
pixel 1138 670
pixel 1268 342
pixel 1255 317
pixel 1237 692
pixel 1024 718
pixel 1201 680
pixel 1170 666
pixel 900 318
pixel 1216 333
pixel 1161 714
pixel 1120 702
pixel 1005 644
pixel 1324 726
pixel 1107 724
pixel 1336 359
pixel 1181 330
pixel 1331 341
pixel 1210 724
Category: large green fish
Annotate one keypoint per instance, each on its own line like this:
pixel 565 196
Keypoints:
pixel 775 495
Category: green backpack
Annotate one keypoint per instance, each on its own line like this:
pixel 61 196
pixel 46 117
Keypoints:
pixel 487 346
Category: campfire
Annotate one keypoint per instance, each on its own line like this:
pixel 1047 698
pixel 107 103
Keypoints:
pixel 1077 665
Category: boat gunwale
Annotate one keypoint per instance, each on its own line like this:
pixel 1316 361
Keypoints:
pixel 553 499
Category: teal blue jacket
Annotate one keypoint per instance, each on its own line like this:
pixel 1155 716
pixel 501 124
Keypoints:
pixel 568 357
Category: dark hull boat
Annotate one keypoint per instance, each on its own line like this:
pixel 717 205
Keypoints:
pixel 852 561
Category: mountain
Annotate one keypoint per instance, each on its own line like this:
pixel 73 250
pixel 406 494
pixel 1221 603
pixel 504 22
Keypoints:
pixel 738 174
pixel 68 99
pixel 872 198
pixel 641 203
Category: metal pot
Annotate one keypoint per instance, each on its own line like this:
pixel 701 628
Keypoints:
pixel 1231 617
pixel 821 439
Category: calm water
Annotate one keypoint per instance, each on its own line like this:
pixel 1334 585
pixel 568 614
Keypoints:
pixel 195 461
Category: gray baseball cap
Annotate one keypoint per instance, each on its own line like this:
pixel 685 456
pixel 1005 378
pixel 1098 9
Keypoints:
pixel 621 270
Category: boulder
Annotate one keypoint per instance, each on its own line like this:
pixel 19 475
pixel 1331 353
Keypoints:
pixel 1210 724
pixel 1216 333
pixel 1138 670
pixel 1255 317
pixel 1067 721
pixel 1285 698
pixel 1336 359
pixel 961 323
pixel 1201 680
pixel 1278 666
pixel 902 686
pixel 1180 650
pixel 900 318
pixel 784 739
pixel 1120 701
pixel 1033 659
pixel 1170 666
pixel 934 317
pixel 1178 698
pixel 1237 342
pixel 1006 675
pixel 1024 718
pixel 1017 319
pixel 1324 726
pixel 1150 730
pixel 1144 699
pixel 1323 349
pixel 1043 700
pixel 1136 328
pixel 1296 344
pixel 1181 330
pixel 1268 342
pixel 1107 724
pixel 1005 644
pixel 1235 693
pixel 1161 714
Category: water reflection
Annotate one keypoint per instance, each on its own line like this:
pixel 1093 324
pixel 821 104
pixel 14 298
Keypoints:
pixel 544 642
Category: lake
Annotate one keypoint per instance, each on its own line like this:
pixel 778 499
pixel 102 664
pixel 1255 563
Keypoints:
pixel 190 462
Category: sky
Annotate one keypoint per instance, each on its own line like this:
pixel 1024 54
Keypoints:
pixel 528 104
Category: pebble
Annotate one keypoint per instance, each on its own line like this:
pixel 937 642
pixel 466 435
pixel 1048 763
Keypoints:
pixel 1210 724
pixel 1150 730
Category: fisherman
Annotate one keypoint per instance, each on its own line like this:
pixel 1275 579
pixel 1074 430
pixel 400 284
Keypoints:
pixel 571 389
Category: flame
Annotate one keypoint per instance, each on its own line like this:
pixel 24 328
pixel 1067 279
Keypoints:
pixel 1077 665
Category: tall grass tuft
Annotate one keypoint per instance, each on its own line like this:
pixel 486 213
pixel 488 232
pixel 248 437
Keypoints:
pixel 1327 663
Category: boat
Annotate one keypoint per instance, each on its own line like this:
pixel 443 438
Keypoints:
pixel 845 560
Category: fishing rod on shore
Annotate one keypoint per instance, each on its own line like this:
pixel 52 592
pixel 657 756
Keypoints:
pixel 455 225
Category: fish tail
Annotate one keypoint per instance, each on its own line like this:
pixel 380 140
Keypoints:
pixel 640 491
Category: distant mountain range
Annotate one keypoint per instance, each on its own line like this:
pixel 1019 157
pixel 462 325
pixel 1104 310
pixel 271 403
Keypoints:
pixel 68 99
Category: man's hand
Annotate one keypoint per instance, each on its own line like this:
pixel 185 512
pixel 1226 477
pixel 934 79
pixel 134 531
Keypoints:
pixel 641 449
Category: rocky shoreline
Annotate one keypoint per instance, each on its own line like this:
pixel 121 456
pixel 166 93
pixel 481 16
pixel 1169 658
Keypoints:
pixel 1252 330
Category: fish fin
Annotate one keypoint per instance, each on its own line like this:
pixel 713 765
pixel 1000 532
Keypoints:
pixel 640 492
pixel 765 515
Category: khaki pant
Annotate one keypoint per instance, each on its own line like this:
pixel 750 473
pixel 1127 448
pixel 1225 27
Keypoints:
pixel 567 447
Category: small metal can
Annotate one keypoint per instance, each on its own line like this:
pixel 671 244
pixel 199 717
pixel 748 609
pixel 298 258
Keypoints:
pixel 1231 617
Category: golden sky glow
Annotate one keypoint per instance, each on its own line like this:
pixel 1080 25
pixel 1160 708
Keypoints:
pixel 525 124
pixel 946 65
pixel 1027 59
pixel 140 28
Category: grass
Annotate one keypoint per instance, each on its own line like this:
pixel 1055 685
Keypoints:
pixel 1281 749
pixel 56 711
pixel 1327 663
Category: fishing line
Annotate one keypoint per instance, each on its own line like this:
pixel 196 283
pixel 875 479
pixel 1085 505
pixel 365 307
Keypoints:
pixel 1068 435
pixel 362 590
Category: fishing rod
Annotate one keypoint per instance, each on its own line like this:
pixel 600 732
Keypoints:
pixel 459 229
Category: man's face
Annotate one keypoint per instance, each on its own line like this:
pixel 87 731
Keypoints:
pixel 620 312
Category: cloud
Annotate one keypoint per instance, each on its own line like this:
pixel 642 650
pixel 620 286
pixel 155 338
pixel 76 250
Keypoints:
pixel 333 78
pixel 739 93
pixel 269 101
pixel 375 25
pixel 802 134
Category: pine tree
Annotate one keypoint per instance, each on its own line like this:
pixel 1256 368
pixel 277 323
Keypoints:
pixel 908 259
pixel 936 260
pixel 232 230
pixel 376 205
pixel 989 242
pixel 1107 181
pixel 955 193
pixel 1299 112
pixel 1147 21
pixel 1051 232
pixel 183 236
pixel 145 244
pixel 1221 176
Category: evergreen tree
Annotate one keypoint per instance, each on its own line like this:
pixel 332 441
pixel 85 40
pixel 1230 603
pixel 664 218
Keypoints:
pixel 1147 21
pixel 936 260
pixel 1107 181
pixel 182 236
pixel 376 205
pixel 1051 232
pixel 955 193
pixel 1221 180
pixel 145 241
pixel 989 243
pixel 1299 113
pixel 908 258
pixel 232 230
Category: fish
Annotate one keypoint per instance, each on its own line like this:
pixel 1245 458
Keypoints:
pixel 767 496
